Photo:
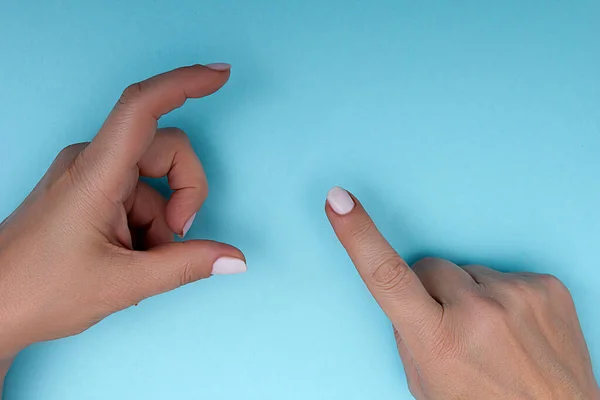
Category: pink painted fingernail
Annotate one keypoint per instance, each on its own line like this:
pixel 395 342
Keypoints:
pixel 188 225
pixel 228 266
pixel 219 66
pixel 340 201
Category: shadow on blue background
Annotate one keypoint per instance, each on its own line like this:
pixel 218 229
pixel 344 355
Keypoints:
pixel 469 131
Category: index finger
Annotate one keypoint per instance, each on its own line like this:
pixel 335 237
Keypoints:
pixel 129 129
pixel 390 280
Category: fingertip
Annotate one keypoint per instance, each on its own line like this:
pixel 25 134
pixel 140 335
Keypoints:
pixel 228 250
pixel 221 72
pixel 229 266
pixel 182 209
pixel 219 66
pixel 340 200
pixel 215 250
pixel 187 226
pixel 225 258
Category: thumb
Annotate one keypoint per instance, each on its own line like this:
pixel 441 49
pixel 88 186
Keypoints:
pixel 169 266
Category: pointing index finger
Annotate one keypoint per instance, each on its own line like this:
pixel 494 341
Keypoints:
pixel 394 285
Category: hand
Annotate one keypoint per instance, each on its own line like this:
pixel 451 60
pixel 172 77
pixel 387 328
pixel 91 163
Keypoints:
pixel 91 239
pixel 470 332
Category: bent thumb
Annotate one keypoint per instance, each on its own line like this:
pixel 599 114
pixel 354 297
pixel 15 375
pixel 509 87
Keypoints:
pixel 169 266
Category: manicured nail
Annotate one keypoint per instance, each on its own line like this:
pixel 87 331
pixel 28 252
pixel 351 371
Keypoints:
pixel 187 225
pixel 219 66
pixel 340 201
pixel 228 266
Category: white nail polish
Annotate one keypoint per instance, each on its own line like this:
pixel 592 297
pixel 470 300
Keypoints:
pixel 187 225
pixel 219 66
pixel 228 266
pixel 340 201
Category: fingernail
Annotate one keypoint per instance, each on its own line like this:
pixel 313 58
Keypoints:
pixel 187 225
pixel 219 66
pixel 228 266
pixel 340 201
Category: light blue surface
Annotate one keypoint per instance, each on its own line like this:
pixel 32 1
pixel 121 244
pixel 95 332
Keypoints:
pixel 469 130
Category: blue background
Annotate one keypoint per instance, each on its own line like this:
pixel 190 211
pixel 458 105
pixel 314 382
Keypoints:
pixel 469 130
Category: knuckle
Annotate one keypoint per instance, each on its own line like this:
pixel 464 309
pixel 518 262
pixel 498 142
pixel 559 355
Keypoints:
pixel 487 307
pixel 66 159
pixel 517 297
pixel 518 289
pixel 189 271
pixel 179 139
pixel 178 134
pixel 66 171
pixel 425 263
pixel 389 274
pixel 71 151
pixel 467 296
pixel 131 93
pixel 488 316
pixel 554 288
pixel 553 284
pixel 186 274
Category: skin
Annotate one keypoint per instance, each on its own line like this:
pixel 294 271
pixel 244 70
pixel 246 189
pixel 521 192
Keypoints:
pixel 471 332
pixel 91 239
